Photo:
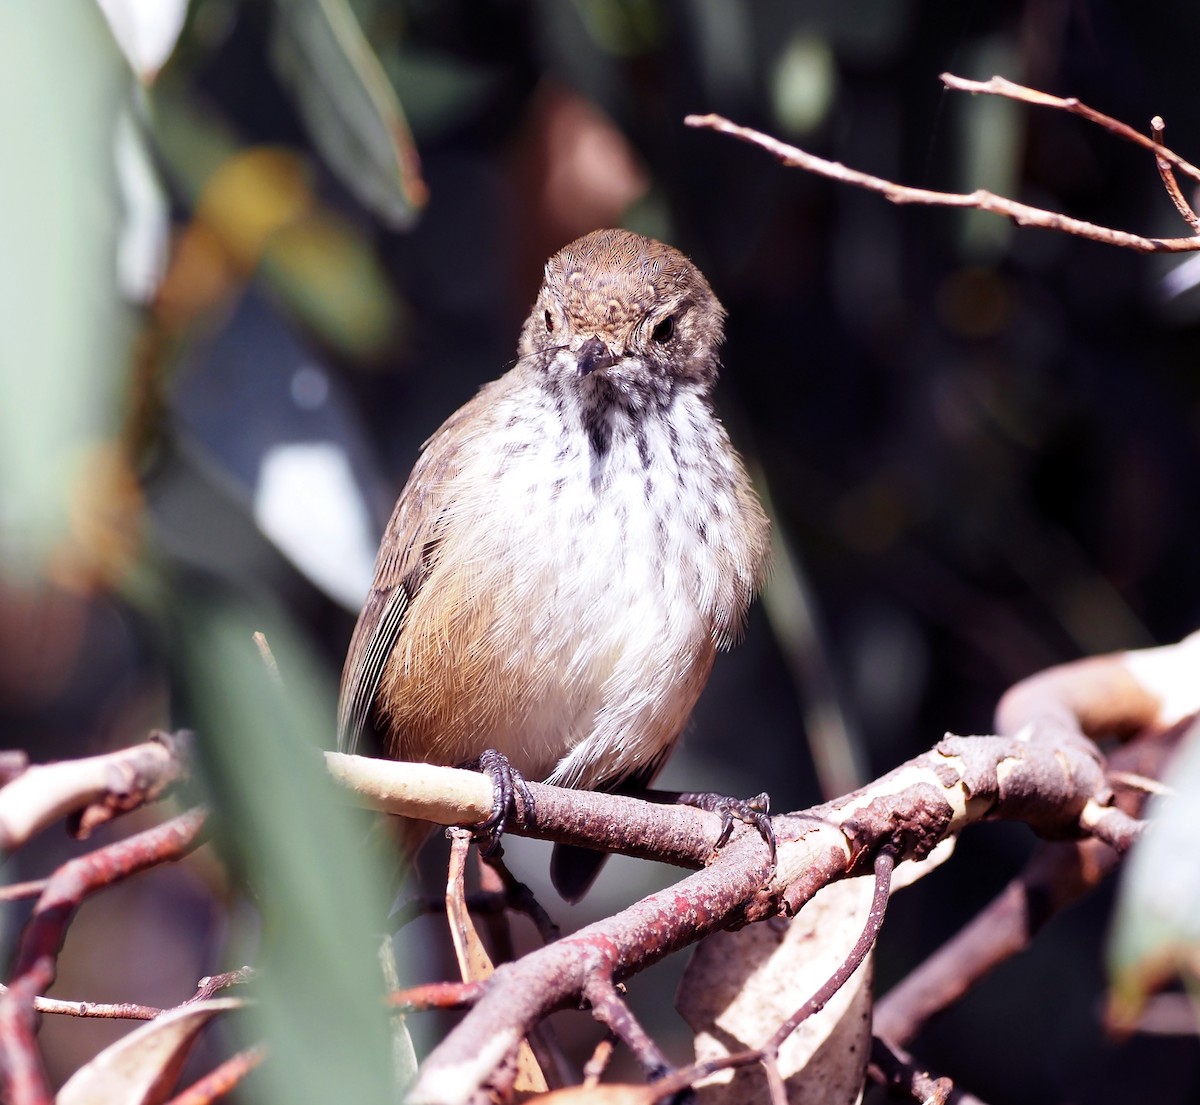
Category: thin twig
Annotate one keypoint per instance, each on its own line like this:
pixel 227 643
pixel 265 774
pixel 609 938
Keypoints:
pixel 885 863
pixel 610 1009
pixel 18 891
pixel 211 985
pixel 1167 174
pixel 435 995
pixel 594 1068
pixel 114 1011
pixel 1000 86
pixel 981 199
pixel 896 1071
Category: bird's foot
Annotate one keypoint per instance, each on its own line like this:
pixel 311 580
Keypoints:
pixel 752 811
pixel 507 784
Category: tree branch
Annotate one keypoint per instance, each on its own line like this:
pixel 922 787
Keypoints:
pixel 1047 774
pixel 981 199
pixel 95 789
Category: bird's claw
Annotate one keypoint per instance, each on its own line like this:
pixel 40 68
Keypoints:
pixel 507 784
pixel 754 811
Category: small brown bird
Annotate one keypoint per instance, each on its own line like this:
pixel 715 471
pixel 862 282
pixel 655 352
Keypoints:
pixel 572 547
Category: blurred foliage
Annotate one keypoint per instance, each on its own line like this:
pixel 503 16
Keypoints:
pixel 1156 928
pixel 981 441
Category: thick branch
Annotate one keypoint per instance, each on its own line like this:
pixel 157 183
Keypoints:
pixel 97 788
pixel 1046 774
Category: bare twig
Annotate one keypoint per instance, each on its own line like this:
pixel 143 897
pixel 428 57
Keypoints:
pixel 435 995
pixel 1148 693
pixel 891 1068
pixel 610 1009
pixel 1046 773
pixel 594 1068
pixel 999 86
pixel 983 200
pixel 1167 174
pixel 885 863
pixel 17 891
pixel 211 985
pixel 112 1011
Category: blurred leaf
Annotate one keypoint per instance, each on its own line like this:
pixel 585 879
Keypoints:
pixel 251 196
pixel 437 89
pixel 143 1067
pixel 64 339
pixel 353 114
pixel 1156 927
pixel 803 83
pixel 256 207
pixel 330 278
pixel 146 31
pixel 622 27
pixel 281 825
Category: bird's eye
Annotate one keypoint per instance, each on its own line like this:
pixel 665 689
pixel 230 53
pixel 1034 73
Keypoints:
pixel 549 322
pixel 664 331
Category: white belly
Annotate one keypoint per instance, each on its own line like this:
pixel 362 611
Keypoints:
pixel 613 607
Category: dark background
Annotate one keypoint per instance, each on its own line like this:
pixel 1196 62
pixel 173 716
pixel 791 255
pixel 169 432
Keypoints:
pixel 979 440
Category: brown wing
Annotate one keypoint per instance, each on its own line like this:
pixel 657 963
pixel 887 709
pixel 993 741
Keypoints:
pixel 407 554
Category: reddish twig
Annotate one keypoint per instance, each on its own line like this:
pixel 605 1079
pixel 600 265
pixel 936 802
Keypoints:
pixel 610 1009
pixel 435 995
pixel 885 863
pixel 76 879
pixel 21 1069
pixel 45 931
pixel 222 1079
pixel 1103 695
pixel 1047 773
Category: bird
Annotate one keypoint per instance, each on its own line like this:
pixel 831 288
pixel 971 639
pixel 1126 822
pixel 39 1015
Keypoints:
pixel 573 546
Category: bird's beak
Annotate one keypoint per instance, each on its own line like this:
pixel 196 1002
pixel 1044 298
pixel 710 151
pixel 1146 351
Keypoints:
pixel 593 354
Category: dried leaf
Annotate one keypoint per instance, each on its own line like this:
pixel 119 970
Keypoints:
pixel 142 1068
pixel 474 963
pixel 741 986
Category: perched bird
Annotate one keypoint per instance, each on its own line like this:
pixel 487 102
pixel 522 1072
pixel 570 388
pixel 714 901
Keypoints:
pixel 573 546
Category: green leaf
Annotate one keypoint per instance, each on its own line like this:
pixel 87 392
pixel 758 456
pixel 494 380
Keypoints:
pixel 280 823
pixel 1156 929
pixel 321 54
pixel 64 339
